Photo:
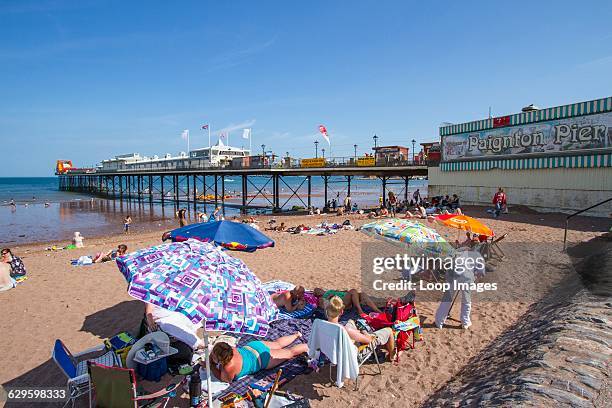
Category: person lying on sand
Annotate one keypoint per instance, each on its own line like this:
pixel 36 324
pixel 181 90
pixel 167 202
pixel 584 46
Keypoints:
pixel 351 298
pixel 279 228
pixel 381 338
pixel 111 255
pixel 6 282
pixel 290 300
pixel 229 363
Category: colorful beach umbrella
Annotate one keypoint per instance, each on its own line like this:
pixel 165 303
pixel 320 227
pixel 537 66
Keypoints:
pixel 203 283
pixel 463 222
pixel 419 238
pixel 229 234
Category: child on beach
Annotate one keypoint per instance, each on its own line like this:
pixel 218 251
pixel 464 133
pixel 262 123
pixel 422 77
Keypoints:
pixel 126 224
pixel 351 298
pixel 181 216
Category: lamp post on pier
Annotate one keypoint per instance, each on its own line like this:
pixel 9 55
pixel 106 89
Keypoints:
pixel 355 147
pixel 316 149
pixel 413 142
pixel 323 151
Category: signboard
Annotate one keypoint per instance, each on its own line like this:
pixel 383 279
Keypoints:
pixel 317 162
pixel 561 135
pixel 366 161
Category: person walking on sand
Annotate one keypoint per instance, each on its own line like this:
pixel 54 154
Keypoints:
pixel 347 203
pixel 127 221
pixel 216 215
pixel 181 216
pixel 416 196
pixel 392 203
pixel 468 265
pixel 499 201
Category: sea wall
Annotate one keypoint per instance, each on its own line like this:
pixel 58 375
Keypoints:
pixel 558 354
pixel 557 190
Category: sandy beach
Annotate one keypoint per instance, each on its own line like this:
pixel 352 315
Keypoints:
pixel 83 305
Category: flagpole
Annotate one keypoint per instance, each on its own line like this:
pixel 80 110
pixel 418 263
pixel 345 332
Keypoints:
pixel 209 138
pixel 187 143
pixel 250 142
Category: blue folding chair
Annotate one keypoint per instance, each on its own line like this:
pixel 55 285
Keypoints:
pixel 76 370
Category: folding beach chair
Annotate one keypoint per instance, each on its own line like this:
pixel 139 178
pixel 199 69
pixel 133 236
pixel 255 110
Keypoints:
pixel 116 387
pixel 335 352
pixel 75 370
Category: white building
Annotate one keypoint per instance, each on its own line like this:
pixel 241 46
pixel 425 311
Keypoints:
pixel 219 155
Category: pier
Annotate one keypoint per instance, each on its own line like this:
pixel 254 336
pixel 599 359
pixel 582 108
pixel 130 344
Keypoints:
pixel 198 188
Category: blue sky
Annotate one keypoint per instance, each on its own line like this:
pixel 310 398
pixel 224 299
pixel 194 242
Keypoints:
pixel 86 80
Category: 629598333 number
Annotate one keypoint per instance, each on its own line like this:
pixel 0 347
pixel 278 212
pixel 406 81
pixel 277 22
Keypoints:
pixel 32 394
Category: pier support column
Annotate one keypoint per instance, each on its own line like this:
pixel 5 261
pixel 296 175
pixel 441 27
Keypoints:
pixel 384 189
pixel 204 190
pixel 129 187
pixel 216 191
pixel 163 194
pixel 348 185
pixel 244 194
pixel 223 194
pixel 195 196
pixel 150 188
pixel 177 201
pixel 113 178
pixel 325 190
pixel 121 187
pixel 309 191
pixel 406 179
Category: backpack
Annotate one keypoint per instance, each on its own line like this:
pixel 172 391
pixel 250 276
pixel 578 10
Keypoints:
pixel 398 311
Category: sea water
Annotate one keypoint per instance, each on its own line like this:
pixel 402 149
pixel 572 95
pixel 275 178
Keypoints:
pixel 43 213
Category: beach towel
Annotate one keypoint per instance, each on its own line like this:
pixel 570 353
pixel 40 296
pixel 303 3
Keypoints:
pixel 291 368
pixel 83 260
pixel 276 286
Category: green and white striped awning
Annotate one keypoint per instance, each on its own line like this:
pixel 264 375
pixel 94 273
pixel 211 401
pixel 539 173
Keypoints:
pixel 524 163
pixel 559 112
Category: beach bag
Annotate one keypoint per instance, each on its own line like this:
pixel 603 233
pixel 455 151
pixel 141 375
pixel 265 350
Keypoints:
pixel 120 344
pixel 403 314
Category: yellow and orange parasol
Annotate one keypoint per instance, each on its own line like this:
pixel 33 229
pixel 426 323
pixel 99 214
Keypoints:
pixel 465 223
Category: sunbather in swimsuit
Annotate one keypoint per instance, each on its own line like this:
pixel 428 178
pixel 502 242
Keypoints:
pixel 255 356
pixel 351 298
pixel 229 363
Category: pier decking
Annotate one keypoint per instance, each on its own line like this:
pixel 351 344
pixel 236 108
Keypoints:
pixel 191 186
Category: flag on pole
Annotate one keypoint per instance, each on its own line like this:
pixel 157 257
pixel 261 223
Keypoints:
pixel 204 127
pixel 323 131
pixel 246 133
pixel 185 134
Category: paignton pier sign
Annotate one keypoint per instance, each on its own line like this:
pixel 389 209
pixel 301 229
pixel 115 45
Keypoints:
pixel 568 134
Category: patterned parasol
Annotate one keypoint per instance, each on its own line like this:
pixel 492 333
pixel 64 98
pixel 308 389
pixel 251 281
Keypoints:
pixel 463 222
pixel 202 282
pixel 418 237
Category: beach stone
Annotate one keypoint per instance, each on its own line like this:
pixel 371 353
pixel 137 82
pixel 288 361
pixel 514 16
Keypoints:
pixel 560 396
pixel 590 381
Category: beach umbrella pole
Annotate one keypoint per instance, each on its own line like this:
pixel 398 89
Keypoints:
pixel 451 306
pixel 208 373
